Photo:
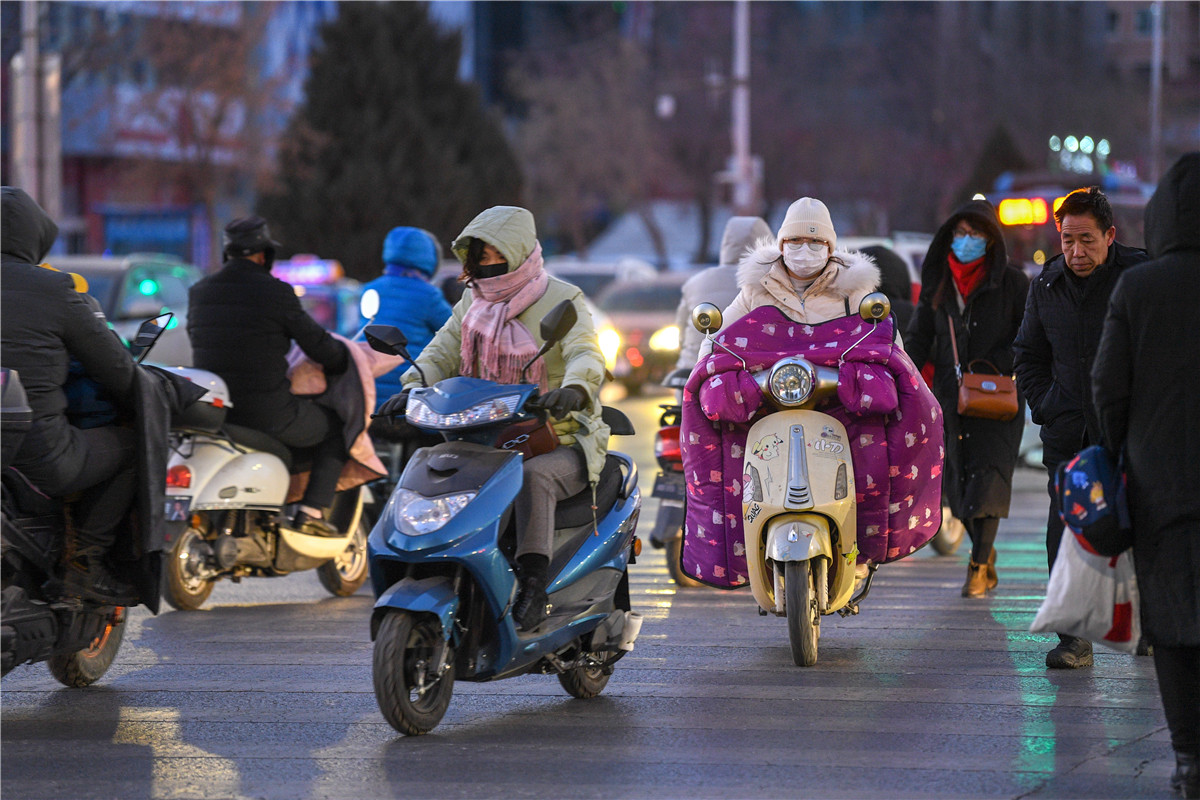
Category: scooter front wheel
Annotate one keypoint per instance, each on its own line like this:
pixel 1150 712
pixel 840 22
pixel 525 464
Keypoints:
pixel 803 616
pixel 411 693
pixel 186 590
pixel 85 667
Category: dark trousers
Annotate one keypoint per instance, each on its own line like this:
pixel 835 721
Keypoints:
pixel 107 484
pixel 1054 523
pixel 982 531
pixel 1178 671
pixel 318 432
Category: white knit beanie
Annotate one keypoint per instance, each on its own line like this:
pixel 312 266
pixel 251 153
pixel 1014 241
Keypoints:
pixel 808 217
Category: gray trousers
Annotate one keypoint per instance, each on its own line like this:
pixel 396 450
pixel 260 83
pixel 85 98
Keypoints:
pixel 548 478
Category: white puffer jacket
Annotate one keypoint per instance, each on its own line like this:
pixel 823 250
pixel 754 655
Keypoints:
pixel 764 281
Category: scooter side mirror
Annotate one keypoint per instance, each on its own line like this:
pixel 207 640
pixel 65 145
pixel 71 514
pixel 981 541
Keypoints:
pixel 706 318
pixel 558 321
pixel 148 333
pixel 875 306
pixel 368 304
pixel 387 339
pixel 555 325
pixel 390 340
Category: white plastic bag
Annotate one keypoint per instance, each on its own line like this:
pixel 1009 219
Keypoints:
pixel 1091 596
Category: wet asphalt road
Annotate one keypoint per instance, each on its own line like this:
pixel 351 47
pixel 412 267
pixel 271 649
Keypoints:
pixel 266 693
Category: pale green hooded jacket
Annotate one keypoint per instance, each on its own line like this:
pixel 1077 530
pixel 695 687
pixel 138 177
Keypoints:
pixel 574 361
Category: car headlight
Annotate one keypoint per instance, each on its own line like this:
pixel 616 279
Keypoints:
pixel 415 514
pixel 421 415
pixel 610 343
pixel 665 339
pixel 791 382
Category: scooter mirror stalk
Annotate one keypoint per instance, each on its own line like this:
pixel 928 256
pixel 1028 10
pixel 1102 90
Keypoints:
pixel 706 318
pixel 555 325
pixel 391 340
pixel 875 306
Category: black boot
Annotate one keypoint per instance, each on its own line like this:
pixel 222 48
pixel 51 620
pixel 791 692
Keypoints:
pixel 88 578
pixel 531 604
pixel 1071 653
pixel 1186 780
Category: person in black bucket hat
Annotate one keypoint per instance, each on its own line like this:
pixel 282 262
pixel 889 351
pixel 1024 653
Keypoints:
pixel 242 321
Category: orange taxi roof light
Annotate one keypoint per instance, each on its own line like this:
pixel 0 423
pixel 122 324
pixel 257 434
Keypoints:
pixel 1027 210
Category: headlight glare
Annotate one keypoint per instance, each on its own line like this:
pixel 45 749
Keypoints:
pixel 610 343
pixel 416 514
pixel 665 339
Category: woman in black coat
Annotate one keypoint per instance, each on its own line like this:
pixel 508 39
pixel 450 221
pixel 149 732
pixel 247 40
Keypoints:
pixel 1146 380
pixel 966 281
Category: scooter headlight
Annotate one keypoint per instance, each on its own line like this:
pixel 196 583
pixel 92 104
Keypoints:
pixel 421 415
pixel 791 381
pixel 415 514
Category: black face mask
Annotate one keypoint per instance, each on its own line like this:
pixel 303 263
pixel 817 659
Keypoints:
pixel 482 271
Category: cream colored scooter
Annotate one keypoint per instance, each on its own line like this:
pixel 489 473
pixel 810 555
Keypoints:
pixel 798 508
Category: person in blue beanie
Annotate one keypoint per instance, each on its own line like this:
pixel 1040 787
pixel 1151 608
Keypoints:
pixel 407 299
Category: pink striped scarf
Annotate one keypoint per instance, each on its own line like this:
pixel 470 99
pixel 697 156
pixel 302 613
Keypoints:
pixel 495 344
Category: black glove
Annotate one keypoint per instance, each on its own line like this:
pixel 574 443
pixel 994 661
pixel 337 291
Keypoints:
pixel 560 402
pixel 394 405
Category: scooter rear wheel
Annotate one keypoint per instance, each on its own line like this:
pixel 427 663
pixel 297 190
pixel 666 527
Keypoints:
pixel 405 648
pixel 345 575
pixel 85 667
pixel 803 616
pixel 186 590
pixel 584 682
pixel 674 550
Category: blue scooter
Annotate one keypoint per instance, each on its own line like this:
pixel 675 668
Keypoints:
pixel 442 554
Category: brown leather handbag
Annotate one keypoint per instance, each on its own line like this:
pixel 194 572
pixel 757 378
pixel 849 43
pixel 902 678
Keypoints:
pixel 982 394
pixel 531 437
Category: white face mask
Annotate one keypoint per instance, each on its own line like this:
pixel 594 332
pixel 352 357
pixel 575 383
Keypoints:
pixel 805 260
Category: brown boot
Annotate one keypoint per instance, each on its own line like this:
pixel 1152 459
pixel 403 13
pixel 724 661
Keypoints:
pixel 977 581
pixel 992 580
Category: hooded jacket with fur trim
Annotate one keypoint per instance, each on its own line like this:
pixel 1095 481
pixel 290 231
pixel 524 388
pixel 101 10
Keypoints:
pixel 763 280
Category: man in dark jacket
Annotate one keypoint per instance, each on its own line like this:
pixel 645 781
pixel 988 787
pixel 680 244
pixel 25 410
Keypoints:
pixel 1055 348
pixel 45 323
pixel 242 321
pixel 1146 382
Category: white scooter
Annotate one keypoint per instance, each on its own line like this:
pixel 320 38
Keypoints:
pixel 798 511
pixel 227 514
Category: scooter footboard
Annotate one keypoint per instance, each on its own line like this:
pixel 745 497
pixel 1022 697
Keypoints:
pixel 433 595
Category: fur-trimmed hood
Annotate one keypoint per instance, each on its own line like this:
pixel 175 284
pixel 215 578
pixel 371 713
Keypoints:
pixel 763 280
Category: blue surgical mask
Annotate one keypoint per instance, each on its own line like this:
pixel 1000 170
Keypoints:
pixel 968 248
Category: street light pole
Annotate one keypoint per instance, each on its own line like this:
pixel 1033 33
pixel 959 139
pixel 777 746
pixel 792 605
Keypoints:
pixel 744 199
pixel 1156 66
pixel 25 142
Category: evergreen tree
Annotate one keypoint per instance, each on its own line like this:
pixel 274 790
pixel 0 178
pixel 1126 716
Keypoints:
pixel 388 135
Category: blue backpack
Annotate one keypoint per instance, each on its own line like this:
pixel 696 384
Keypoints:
pixel 1092 500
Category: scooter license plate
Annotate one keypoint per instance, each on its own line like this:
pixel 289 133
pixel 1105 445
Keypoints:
pixel 177 508
pixel 668 488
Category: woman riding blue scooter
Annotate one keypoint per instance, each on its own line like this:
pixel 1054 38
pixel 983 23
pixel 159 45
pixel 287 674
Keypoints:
pixel 491 335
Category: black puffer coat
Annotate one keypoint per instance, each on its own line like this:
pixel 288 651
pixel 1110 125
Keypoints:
pixel 1056 346
pixel 43 323
pixel 1146 384
pixel 242 321
pixel 981 454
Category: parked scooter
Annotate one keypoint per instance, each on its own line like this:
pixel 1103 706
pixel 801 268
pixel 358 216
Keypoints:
pixel 442 555
pixel 801 529
pixel 78 639
pixel 227 509
pixel 669 485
